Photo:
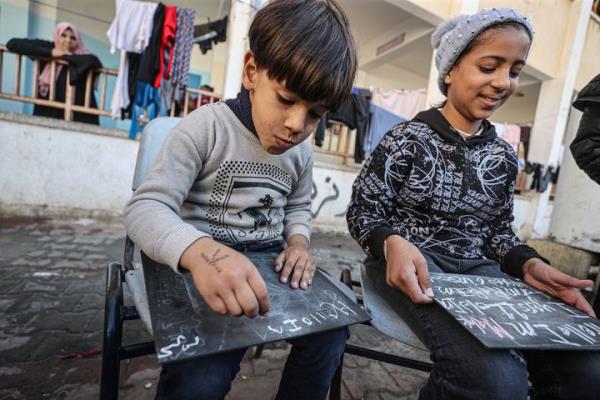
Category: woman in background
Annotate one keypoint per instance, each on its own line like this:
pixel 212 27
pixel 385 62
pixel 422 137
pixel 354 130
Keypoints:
pixel 67 46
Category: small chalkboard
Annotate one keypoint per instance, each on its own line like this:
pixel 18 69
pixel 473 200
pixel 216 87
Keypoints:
pixel 507 313
pixel 184 326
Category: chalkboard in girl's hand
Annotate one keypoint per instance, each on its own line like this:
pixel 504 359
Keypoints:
pixel 184 326
pixel 507 313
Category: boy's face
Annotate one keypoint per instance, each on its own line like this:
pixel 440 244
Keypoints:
pixel 282 119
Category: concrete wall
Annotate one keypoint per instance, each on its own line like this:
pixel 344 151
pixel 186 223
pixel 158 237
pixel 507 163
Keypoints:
pixel 58 169
pixel 577 201
pixel 542 12
pixel 589 66
pixel 55 168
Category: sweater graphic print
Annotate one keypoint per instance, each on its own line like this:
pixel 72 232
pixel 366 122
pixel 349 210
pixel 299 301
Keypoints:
pixel 448 196
pixel 246 203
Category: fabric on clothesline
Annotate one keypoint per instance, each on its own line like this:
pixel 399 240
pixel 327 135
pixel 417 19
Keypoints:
pixel 147 100
pixel 354 113
pixel 166 45
pixel 131 28
pixel 130 31
pixel 206 35
pixel 381 122
pixel 404 103
pixel 510 133
pixel 150 63
pixel 183 46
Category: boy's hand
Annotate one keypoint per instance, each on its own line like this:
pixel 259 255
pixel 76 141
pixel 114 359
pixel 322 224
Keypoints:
pixel 557 284
pixel 226 279
pixel 296 258
pixel 407 270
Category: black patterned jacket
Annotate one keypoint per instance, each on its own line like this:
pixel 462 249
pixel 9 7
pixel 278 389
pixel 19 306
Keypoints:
pixel 440 192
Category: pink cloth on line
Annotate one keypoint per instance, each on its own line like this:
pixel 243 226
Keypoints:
pixel 512 135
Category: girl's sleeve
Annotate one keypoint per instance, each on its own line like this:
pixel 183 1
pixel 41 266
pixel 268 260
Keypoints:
pixel 374 193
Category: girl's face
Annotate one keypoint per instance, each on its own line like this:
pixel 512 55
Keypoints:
pixel 67 41
pixel 485 77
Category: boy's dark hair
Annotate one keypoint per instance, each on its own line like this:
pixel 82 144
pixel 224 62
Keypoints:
pixel 308 45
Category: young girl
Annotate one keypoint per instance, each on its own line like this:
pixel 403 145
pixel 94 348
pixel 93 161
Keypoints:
pixel 436 196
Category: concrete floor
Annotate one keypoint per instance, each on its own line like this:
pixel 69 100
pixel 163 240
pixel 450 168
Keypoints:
pixel 51 306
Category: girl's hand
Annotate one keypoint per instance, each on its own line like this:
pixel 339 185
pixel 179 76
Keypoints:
pixel 557 284
pixel 297 261
pixel 407 270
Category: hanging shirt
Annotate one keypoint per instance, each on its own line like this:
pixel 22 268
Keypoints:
pixel 381 122
pixel 404 103
pixel 130 31
pixel 211 33
pixel 132 26
pixel 166 45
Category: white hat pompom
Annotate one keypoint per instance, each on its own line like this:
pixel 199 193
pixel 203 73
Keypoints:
pixel 443 28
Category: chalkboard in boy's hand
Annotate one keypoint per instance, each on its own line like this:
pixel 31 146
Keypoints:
pixel 507 313
pixel 184 326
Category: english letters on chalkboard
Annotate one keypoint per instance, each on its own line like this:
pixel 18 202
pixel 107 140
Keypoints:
pixel 507 313
pixel 184 326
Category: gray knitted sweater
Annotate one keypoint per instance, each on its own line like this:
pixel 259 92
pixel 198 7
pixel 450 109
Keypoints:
pixel 213 178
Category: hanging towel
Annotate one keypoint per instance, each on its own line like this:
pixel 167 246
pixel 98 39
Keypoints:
pixel 404 103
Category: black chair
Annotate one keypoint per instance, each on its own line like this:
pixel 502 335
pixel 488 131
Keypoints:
pixel 405 335
pixel 126 276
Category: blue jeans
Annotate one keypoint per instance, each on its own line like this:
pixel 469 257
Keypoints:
pixel 307 375
pixel 465 369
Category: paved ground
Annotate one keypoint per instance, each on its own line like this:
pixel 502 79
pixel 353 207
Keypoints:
pixel 51 306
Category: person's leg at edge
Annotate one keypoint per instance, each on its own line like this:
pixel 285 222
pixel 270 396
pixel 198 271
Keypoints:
pixel 565 375
pixel 205 378
pixel 462 367
pixel 311 365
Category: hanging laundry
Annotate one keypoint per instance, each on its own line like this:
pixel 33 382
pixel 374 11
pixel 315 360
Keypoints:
pixel 147 101
pixel 381 122
pixel 183 46
pixel 354 113
pixel 210 33
pixel 404 103
pixel 510 133
pixel 166 45
pixel 130 31
pixel 150 62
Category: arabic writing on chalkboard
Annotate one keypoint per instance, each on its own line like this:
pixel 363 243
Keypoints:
pixel 507 313
pixel 185 327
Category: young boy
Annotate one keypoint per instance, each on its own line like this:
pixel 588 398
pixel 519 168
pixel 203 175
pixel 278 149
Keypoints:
pixel 236 176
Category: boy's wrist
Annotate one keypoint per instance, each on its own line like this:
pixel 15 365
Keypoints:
pixel 190 256
pixel 298 241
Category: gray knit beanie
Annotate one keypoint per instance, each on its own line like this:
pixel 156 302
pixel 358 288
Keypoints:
pixel 453 36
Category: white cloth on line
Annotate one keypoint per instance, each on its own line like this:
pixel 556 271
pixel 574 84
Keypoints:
pixel 130 31
pixel 404 103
